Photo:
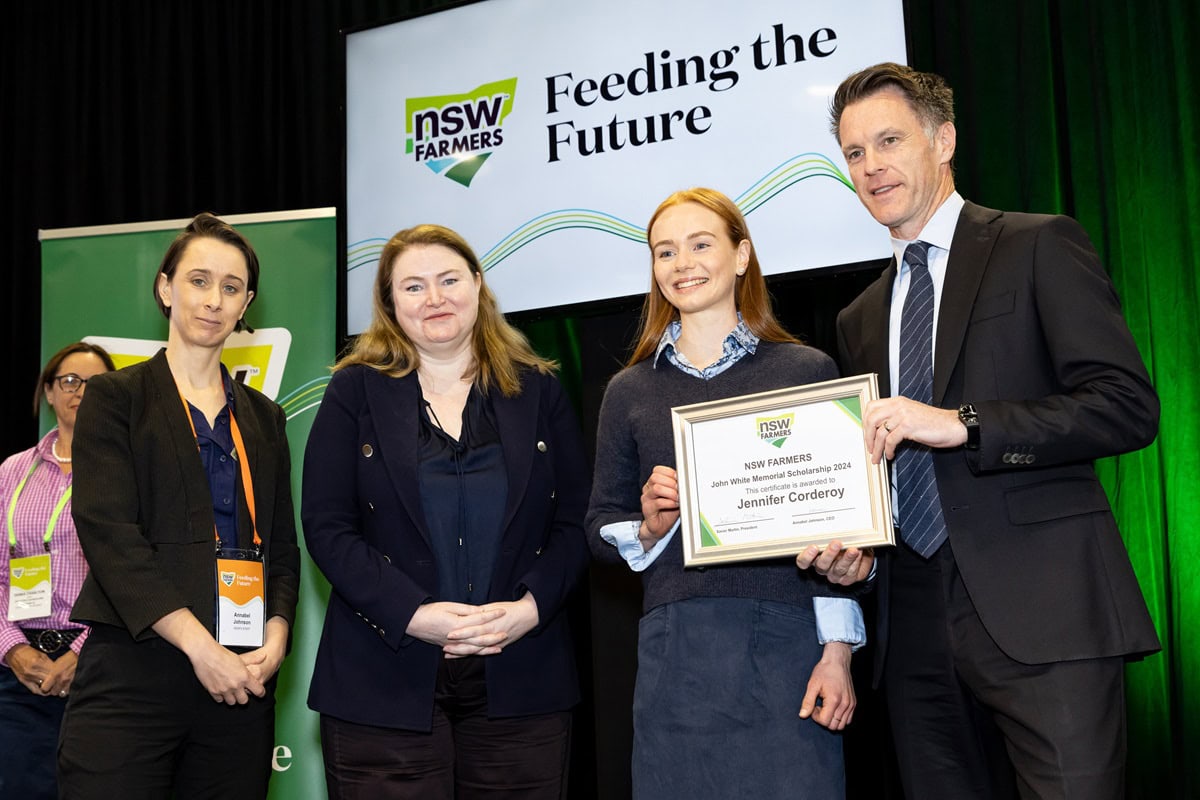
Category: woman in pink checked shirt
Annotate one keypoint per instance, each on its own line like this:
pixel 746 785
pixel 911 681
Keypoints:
pixel 38 642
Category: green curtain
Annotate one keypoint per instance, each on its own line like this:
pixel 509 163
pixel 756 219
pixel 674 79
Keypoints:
pixel 558 338
pixel 1090 109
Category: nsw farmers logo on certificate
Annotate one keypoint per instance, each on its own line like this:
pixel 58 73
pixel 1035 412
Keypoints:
pixel 775 430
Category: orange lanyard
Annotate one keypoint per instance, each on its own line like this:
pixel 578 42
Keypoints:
pixel 243 462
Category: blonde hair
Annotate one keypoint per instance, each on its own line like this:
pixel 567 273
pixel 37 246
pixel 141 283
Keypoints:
pixel 750 289
pixel 501 351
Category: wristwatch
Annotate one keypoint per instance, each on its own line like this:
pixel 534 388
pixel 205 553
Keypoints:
pixel 970 419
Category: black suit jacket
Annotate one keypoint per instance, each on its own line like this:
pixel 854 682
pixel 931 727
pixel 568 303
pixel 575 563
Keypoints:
pixel 143 507
pixel 365 529
pixel 1030 331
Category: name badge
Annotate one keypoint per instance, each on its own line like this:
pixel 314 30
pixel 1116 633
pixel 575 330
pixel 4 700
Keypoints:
pixel 240 599
pixel 29 591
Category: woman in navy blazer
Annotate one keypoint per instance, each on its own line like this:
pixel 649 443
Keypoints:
pixel 445 484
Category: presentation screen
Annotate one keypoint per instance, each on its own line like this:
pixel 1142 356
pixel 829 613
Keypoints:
pixel 546 133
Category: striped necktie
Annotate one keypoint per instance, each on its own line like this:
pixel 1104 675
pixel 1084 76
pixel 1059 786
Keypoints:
pixel 921 524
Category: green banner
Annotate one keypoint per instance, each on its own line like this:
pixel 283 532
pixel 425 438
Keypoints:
pixel 97 284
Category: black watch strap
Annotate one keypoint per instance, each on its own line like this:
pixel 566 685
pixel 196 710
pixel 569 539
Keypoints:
pixel 970 419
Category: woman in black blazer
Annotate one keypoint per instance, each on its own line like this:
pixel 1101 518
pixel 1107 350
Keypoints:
pixel 182 480
pixel 445 485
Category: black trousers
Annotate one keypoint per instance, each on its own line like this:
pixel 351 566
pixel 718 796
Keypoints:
pixel 139 724
pixel 465 756
pixel 968 721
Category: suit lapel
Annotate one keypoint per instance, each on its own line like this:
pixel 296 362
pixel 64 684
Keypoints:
pixel 517 418
pixel 974 237
pixel 395 409
pixel 875 336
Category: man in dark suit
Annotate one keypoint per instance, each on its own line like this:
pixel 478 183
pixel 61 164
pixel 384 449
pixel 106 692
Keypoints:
pixel 1009 604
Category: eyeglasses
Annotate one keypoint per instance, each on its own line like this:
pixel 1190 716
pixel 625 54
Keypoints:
pixel 70 383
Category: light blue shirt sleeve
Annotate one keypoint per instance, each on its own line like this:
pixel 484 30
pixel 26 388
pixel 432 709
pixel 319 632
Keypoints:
pixel 624 537
pixel 840 619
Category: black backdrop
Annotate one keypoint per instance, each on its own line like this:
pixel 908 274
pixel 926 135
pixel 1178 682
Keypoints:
pixel 144 109
pixel 114 112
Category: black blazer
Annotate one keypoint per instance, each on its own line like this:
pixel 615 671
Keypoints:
pixel 143 507
pixel 365 529
pixel 1030 331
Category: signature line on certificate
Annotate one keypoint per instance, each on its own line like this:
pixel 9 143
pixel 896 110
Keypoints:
pixel 826 511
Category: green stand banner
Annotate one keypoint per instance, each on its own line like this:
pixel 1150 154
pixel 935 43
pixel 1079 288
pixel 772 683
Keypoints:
pixel 97 285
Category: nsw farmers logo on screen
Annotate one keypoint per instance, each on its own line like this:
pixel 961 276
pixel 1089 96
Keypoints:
pixel 453 134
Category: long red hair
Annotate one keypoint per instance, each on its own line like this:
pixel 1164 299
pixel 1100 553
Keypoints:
pixel 750 289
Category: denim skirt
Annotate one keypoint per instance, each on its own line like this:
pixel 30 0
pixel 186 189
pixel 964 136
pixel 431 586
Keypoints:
pixel 715 712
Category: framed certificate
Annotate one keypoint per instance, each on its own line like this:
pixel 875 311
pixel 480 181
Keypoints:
pixel 767 475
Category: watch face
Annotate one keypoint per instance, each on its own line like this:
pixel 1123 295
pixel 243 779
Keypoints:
pixel 970 420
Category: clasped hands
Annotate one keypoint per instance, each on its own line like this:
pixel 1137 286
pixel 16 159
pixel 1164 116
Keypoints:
pixel 40 674
pixel 228 677
pixel 461 629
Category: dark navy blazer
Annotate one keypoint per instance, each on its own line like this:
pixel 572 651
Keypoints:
pixel 365 529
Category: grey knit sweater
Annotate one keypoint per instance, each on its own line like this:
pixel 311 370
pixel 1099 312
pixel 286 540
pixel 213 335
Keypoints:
pixel 635 436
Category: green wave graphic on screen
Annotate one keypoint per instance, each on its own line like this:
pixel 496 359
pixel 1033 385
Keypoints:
pixel 562 220
pixel 787 174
